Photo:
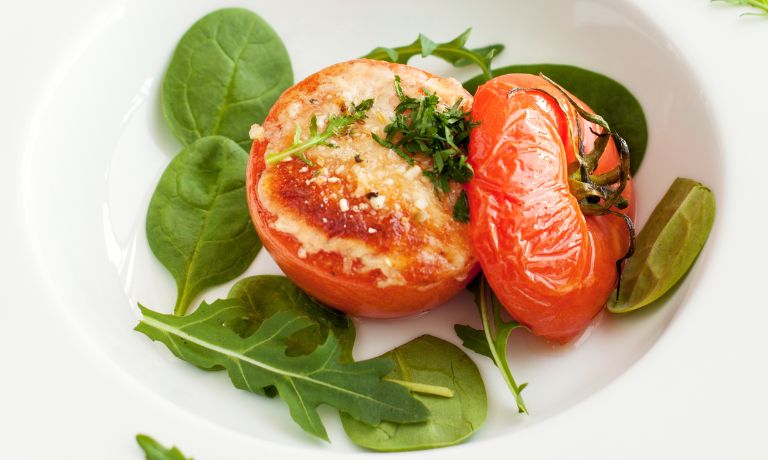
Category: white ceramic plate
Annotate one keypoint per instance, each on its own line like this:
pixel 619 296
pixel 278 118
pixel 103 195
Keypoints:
pixel 96 144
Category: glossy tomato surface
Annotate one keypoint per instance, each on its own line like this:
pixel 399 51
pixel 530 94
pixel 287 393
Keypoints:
pixel 551 266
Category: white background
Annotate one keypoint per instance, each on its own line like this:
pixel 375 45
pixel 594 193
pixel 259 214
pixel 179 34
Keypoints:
pixel 703 398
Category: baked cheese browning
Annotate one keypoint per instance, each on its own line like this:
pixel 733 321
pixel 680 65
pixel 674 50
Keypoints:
pixel 360 199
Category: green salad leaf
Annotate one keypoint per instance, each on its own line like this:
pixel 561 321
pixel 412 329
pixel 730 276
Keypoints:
pixel 225 74
pixel 336 125
pixel 496 332
pixel 155 451
pixel 603 94
pixel 760 6
pixel 454 416
pixel 198 224
pixel 454 52
pixel 473 339
pixel 668 244
pixel 259 361
pixel 265 295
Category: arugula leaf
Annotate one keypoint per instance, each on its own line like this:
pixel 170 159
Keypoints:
pixel 434 363
pixel 336 124
pixel 496 332
pixel 155 451
pixel 667 246
pixel 474 339
pixel 603 94
pixel 454 52
pixel 198 224
pixel 259 361
pixel 761 5
pixel 264 295
pixel 225 74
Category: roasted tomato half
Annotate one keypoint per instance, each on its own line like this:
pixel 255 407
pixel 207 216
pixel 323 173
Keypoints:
pixel 549 253
pixel 356 226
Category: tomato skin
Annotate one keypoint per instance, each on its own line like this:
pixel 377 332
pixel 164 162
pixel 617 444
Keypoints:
pixel 552 267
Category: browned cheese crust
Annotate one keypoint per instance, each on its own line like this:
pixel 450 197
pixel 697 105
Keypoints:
pixel 359 213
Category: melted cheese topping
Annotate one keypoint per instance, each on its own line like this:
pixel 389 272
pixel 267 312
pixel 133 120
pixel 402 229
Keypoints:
pixel 360 199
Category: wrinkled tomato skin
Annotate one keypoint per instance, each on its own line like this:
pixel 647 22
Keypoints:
pixel 552 267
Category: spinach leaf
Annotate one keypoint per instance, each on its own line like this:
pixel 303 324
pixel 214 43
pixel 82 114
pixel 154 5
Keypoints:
pixel 429 363
pixel 303 382
pixel 154 451
pixel 668 244
pixel 604 95
pixel 225 74
pixel 198 224
pixel 265 295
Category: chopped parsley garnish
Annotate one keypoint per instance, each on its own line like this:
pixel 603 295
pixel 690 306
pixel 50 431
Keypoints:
pixel 336 124
pixel 461 208
pixel 419 127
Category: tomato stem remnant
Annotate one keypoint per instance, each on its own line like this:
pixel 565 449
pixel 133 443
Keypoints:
pixel 598 194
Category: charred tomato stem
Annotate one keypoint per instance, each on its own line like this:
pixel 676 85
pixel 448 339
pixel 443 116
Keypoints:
pixel 597 194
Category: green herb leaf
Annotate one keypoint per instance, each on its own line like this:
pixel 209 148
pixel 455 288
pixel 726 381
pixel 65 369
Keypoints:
pixel 154 451
pixel 668 244
pixel 264 295
pixel 436 363
pixel 474 339
pixel 496 331
pixel 420 128
pixel 259 361
pixel 427 46
pixel 198 224
pixel 461 208
pixel 225 74
pixel 761 5
pixel 336 125
pixel 454 52
pixel 490 52
pixel 604 95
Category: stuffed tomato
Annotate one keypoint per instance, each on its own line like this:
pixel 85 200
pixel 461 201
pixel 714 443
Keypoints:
pixel 349 220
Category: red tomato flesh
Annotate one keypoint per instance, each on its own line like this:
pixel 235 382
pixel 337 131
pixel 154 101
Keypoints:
pixel 552 267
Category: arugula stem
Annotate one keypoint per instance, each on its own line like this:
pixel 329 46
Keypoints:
pixel 381 55
pixel 423 388
pixel 297 148
pixel 238 356
pixel 336 124
pixel 442 49
pixel 499 347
